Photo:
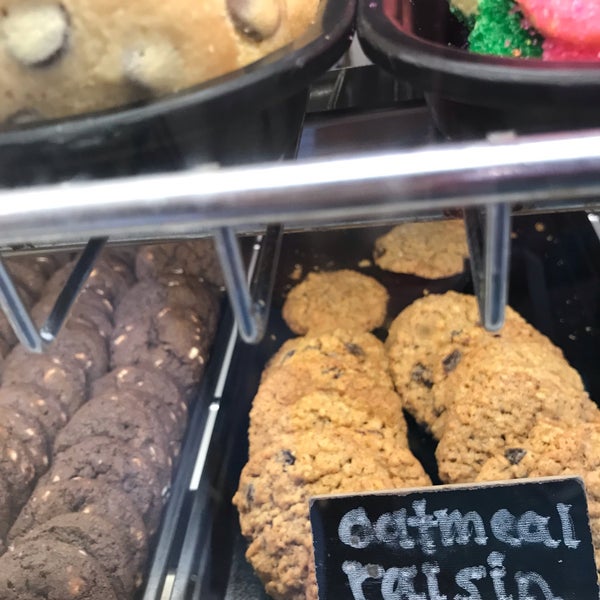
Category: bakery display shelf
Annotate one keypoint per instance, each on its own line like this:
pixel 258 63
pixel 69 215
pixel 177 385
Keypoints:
pixel 554 284
pixel 472 94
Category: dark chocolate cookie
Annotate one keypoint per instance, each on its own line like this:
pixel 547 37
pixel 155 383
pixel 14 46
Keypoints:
pixel 27 430
pixel 173 341
pixel 147 380
pixel 27 276
pixel 17 467
pixel 121 416
pixel 89 496
pixel 63 379
pixel 113 463
pixel 51 570
pixel 33 401
pixel 6 513
pixel 95 536
pixel 196 258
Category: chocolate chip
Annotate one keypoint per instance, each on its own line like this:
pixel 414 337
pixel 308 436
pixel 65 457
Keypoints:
pixel 515 455
pixel 256 19
pixel 335 372
pixel 36 35
pixel 451 361
pixel 379 252
pixel 250 494
pixel 421 374
pixel 355 350
pixel 288 457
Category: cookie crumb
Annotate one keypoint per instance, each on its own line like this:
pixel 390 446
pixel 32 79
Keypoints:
pixel 540 227
pixel 296 274
pixel 365 263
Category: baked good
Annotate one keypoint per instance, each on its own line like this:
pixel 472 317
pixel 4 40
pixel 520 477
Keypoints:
pixel 273 494
pixel 89 496
pixel 335 300
pixel 121 416
pixel 62 378
pixel 433 249
pixel 194 258
pixel 94 57
pixel 113 463
pixel 51 570
pixel 28 275
pixel 7 513
pixel 158 389
pixel 428 340
pixel 95 536
pixel 17 467
pixel 36 403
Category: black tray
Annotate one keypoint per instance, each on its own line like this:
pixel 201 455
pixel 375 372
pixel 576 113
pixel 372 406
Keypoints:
pixel 249 115
pixel 470 94
pixel 555 285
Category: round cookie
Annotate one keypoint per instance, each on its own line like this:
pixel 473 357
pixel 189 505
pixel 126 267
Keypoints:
pixel 27 430
pixel 335 300
pixel 17 467
pixel 145 380
pixel 6 513
pixel 113 463
pixel 45 264
pixel 121 416
pixel 273 494
pixel 63 379
pixel 173 341
pixel 433 250
pixel 88 496
pixel 428 340
pixel 27 276
pixel 51 570
pixel 35 403
pixel 197 258
pixel 498 407
pixel 95 536
pixel 92 56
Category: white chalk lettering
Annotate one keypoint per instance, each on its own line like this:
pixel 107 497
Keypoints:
pixel 533 529
pixel 391 528
pixel 424 523
pixel 431 571
pixel 568 528
pixel 355 529
pixel 398 584
pixel 504 526
pixel 464 580
pixel 456 527
pixel 498 573
pixel 357 574
pixel 524 581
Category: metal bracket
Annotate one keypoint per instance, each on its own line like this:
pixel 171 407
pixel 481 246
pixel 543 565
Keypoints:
pixel 250 302
pixel 488 235
pixel 18 315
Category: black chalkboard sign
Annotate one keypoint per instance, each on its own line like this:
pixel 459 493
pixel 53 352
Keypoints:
pixel 523 540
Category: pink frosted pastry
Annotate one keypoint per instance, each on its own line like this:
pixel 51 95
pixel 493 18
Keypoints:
pixel 564 51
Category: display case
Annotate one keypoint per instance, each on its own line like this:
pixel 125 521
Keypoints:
pixel 321 166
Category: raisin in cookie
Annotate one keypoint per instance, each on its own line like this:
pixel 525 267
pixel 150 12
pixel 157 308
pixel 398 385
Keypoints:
pixel 432 250
pixel 335 300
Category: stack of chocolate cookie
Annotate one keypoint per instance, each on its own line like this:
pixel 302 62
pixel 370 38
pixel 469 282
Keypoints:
pixel 492 400
pixel 84 531
pixel 325 419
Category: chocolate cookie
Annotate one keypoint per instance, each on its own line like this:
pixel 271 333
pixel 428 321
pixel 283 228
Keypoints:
pixel 433 250
pixel 17 467
pixel 35 403
pixel 62 378
pixel 95 536
pixel 335 300
pixel 27 276
pixel 27 430
pixel 7 513
pixel 197 258
pixel 88 496
pixel 113 463
pixel 172 341
pixel 51 570
pixel 428 340
pixel 273 495
pixel 121 416
pixel 144 380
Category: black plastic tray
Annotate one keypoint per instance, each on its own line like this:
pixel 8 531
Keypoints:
pixel 251 114
pixel 555 284
pixel 470 94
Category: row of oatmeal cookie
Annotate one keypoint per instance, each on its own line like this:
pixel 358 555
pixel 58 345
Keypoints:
pixel 85 530
pixel 501 405
pixel 325 420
